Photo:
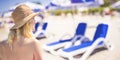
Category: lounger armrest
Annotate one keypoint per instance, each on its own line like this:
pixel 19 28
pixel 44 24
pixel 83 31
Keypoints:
pixel 100 39
pixel 82 39
pixel 75 41
pixel 63 37
pixel 67 45
pixel 49 35
pixel 77 36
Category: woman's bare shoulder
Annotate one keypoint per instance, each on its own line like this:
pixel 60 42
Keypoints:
pixel 34 42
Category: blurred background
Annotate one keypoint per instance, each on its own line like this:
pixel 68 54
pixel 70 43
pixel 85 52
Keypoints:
pixel 63 17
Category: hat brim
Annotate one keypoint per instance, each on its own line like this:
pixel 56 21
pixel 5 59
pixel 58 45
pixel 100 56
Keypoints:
pixel 26 19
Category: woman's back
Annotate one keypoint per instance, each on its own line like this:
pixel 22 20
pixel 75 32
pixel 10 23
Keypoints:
pixel 28 49
pixel 21 44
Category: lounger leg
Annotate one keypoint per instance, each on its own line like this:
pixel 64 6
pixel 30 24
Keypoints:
pixel 71 58
pixel 88 52
pixel 91 49
pixel 108 45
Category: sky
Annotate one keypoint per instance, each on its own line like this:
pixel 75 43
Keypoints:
pixel 44 2
pixel 6 4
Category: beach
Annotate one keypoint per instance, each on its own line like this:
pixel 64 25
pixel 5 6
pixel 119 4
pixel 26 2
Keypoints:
pixel 59 26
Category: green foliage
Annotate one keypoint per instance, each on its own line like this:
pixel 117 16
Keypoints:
pixel 94 10
pixel 38 3
pixel 115 9
pixel 58 12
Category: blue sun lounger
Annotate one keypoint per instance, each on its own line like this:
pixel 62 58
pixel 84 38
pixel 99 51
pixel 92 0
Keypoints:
pixel 51 47
pixel 86 48
pixel 37 24
pixel 40 34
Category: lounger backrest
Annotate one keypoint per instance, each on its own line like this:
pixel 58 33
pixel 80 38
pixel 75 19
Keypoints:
pixel 81 28
pixel 101 31
pixel 37 25
pixel 44 26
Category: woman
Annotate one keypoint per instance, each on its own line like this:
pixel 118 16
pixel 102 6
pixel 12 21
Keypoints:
pixel 21 44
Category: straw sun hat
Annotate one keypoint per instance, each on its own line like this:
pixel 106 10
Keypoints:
pixel 21 15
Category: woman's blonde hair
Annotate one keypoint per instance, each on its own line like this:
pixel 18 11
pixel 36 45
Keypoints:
pixel 25 30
